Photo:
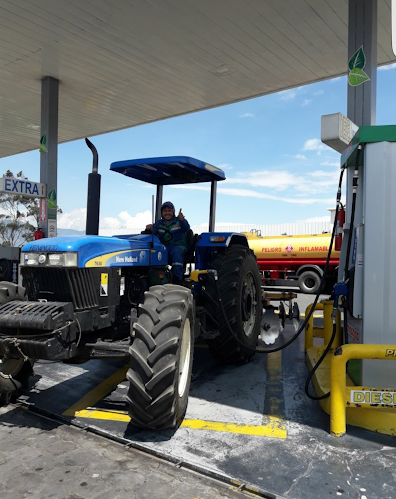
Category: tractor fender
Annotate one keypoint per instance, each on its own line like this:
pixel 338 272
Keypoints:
pixel 228 239
pixel 237 239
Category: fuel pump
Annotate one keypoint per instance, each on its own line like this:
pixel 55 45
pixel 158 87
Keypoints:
pixel 367 263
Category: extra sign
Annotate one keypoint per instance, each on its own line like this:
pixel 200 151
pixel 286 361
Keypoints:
pixel 11 185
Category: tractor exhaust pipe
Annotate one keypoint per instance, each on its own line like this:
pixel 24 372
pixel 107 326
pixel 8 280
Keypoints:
pixel 93 198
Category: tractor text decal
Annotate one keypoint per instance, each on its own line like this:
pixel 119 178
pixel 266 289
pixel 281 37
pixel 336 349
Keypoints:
pixel 120 258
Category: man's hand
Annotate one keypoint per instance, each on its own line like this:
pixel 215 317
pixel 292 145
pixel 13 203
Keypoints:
pixel 180 216
pixel 149 227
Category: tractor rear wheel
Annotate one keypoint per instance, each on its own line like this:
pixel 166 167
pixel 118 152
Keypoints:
pixel 239 287
pixel 14 373
pixel 161 358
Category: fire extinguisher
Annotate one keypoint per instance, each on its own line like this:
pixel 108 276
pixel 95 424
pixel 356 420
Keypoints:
pixel 38 234
pixel 340 224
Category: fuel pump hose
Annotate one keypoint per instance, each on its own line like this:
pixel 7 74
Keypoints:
pixel 307 318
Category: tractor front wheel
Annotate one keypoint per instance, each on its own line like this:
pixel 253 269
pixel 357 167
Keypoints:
pixel 238 322
pixel 161 358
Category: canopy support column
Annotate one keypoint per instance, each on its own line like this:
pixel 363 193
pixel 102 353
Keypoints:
pixel 362 32
pixel 49 154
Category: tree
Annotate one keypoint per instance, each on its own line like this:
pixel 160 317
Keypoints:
pixel 19 216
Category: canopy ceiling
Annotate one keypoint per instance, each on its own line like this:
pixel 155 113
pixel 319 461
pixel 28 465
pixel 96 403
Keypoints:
pixel 130 62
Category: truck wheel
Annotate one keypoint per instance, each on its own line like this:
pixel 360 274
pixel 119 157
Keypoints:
pixel 309 281
pixel 161 358
pixel 14 373
pixel 239 286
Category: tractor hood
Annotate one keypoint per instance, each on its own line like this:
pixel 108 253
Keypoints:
pixel 98 251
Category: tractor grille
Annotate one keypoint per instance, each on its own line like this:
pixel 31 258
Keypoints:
pixel 61 284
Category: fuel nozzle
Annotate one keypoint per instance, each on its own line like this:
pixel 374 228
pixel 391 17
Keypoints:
pixel 340 290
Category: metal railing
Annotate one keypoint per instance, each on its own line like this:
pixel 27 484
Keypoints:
pixel 326 330
pixel 341 393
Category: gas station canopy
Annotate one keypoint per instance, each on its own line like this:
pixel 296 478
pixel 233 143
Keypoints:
pixel 122 64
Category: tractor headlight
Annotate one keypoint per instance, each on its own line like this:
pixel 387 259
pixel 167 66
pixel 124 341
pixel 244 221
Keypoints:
pixel 62 259
pixel 31 258
pixel 50 259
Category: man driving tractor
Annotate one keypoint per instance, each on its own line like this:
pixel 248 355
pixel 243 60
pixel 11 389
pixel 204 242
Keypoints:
pixel 172 232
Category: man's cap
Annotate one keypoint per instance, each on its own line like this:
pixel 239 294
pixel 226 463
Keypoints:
pixel 167 204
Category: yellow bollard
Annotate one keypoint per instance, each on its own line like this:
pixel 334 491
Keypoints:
pixel 338 394
pixel 327 321
pixel 309 328
pixel 326 331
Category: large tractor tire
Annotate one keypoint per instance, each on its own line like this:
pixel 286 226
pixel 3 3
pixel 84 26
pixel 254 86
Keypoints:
pixel 14 373
pixel 161 358
pixel 239 287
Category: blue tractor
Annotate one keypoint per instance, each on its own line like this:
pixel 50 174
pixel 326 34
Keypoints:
pixel 92 297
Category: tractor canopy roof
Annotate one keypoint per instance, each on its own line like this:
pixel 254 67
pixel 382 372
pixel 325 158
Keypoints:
pixel 169 170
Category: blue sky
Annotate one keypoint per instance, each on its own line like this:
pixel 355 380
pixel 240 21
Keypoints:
pixel 277 169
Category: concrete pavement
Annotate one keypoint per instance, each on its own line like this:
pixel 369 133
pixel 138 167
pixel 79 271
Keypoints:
pixel 41 459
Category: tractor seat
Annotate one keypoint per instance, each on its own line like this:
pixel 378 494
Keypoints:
pixel 191 243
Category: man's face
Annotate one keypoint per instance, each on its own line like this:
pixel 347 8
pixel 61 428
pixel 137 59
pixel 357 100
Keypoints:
pixel 167 213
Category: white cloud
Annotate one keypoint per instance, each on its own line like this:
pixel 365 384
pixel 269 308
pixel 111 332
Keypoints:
pixel 388 67
pixel 277 180
pixel 226 166
pixel 296 156
pixel 289 95
pixel 75 219
pixel 306 102
pixel 319 92
pixel 127 221
pixel 247 115
pixel 314 145
pixel 110 223
pixel 255 194
pixel 316 182
pixel 330 163
pixel 321 173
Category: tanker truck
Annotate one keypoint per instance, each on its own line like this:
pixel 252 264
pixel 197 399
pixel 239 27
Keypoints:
pixel 294 260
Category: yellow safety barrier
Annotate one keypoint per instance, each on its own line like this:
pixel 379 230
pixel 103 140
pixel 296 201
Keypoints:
pixel 341 395
pixel 326 331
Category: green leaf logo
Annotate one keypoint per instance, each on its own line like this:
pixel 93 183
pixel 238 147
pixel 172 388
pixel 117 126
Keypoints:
pixel 358 60
pixel 52 200
pixel 356 64
pixel 43 142
pixel 357 77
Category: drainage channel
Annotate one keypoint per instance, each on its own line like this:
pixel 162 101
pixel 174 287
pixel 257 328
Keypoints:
pixel 214 475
